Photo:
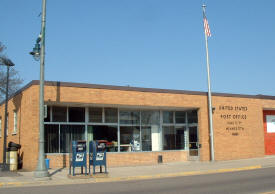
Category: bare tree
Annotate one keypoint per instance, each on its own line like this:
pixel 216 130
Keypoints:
pixel 14 79
pixel 2 47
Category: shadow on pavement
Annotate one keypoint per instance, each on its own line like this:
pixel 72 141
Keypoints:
pixel 56 171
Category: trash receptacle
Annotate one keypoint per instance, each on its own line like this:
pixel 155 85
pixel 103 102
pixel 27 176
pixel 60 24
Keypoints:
pixel 47 161
pixel 13 155
pixel 12 144
pixel 12 159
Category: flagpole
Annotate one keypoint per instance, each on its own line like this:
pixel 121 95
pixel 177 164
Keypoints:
pixel 209 95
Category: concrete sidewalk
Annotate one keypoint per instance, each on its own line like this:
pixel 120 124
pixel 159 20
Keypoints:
pixel 60 176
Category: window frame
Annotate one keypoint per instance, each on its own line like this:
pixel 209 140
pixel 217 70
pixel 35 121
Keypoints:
pixel 138 113
pixel 15 122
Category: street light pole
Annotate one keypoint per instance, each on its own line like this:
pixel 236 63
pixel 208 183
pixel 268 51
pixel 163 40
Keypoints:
pixel 41 170
pixel 7 63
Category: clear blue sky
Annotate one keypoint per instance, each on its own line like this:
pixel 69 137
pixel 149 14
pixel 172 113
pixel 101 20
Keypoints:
pixel 146 43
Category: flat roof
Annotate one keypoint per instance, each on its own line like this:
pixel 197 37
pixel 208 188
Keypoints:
pixel 138 89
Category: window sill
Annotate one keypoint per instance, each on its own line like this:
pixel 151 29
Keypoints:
pixel 132 152
pixel 14 134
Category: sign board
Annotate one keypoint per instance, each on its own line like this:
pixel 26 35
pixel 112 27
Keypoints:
pixel 99 156
pixel 270 123
pixel 79 157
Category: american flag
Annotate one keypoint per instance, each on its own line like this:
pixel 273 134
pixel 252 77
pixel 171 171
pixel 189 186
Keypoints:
pixel 206 26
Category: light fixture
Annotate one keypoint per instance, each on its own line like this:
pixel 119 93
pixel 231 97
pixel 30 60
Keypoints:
pixel 36 50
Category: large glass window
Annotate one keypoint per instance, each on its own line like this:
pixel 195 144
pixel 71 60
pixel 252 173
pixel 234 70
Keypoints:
pixel 129 138
pixel 106 134
pixel 59 114
pixel 129 117
pixel 69 133
pixel 150 133
pixel 180 117
pixel 51 138
pixel 169 138
pixel 192 116
pixel 150 117
pixel 138 130
pixel 76 114
pixel 180 137
pixel 168 117
pixel 146 139
pixel 95 115
pixel 110 115
pixel 173 138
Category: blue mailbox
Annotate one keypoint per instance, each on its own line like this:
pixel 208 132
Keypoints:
pixel 79 156
pixel 97 155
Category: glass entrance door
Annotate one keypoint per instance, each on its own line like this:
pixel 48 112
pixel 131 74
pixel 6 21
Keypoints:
pixel 193 141
pixel 180 138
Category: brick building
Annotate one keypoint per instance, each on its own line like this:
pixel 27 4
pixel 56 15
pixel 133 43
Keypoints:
pixel 138 124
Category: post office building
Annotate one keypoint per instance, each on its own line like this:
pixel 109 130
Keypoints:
pixel 138 125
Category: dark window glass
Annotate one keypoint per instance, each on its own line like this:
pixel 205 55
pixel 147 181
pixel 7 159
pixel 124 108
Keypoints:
pixel 106 134
pixel 168 117
pixel 192 116
pixel 150 117
pixel 95 115
pixel 59 114
pixel 110 115
pixel 48 118
pixel 180 117
pixel 129 117
pixel 173 138
pixel 193 138
pixel 180 141
pixel 69 133
pixel 169 138
pixel 51 138
pixel 76 114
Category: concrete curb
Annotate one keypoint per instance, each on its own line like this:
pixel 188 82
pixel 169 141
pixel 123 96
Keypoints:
pixel 129 178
